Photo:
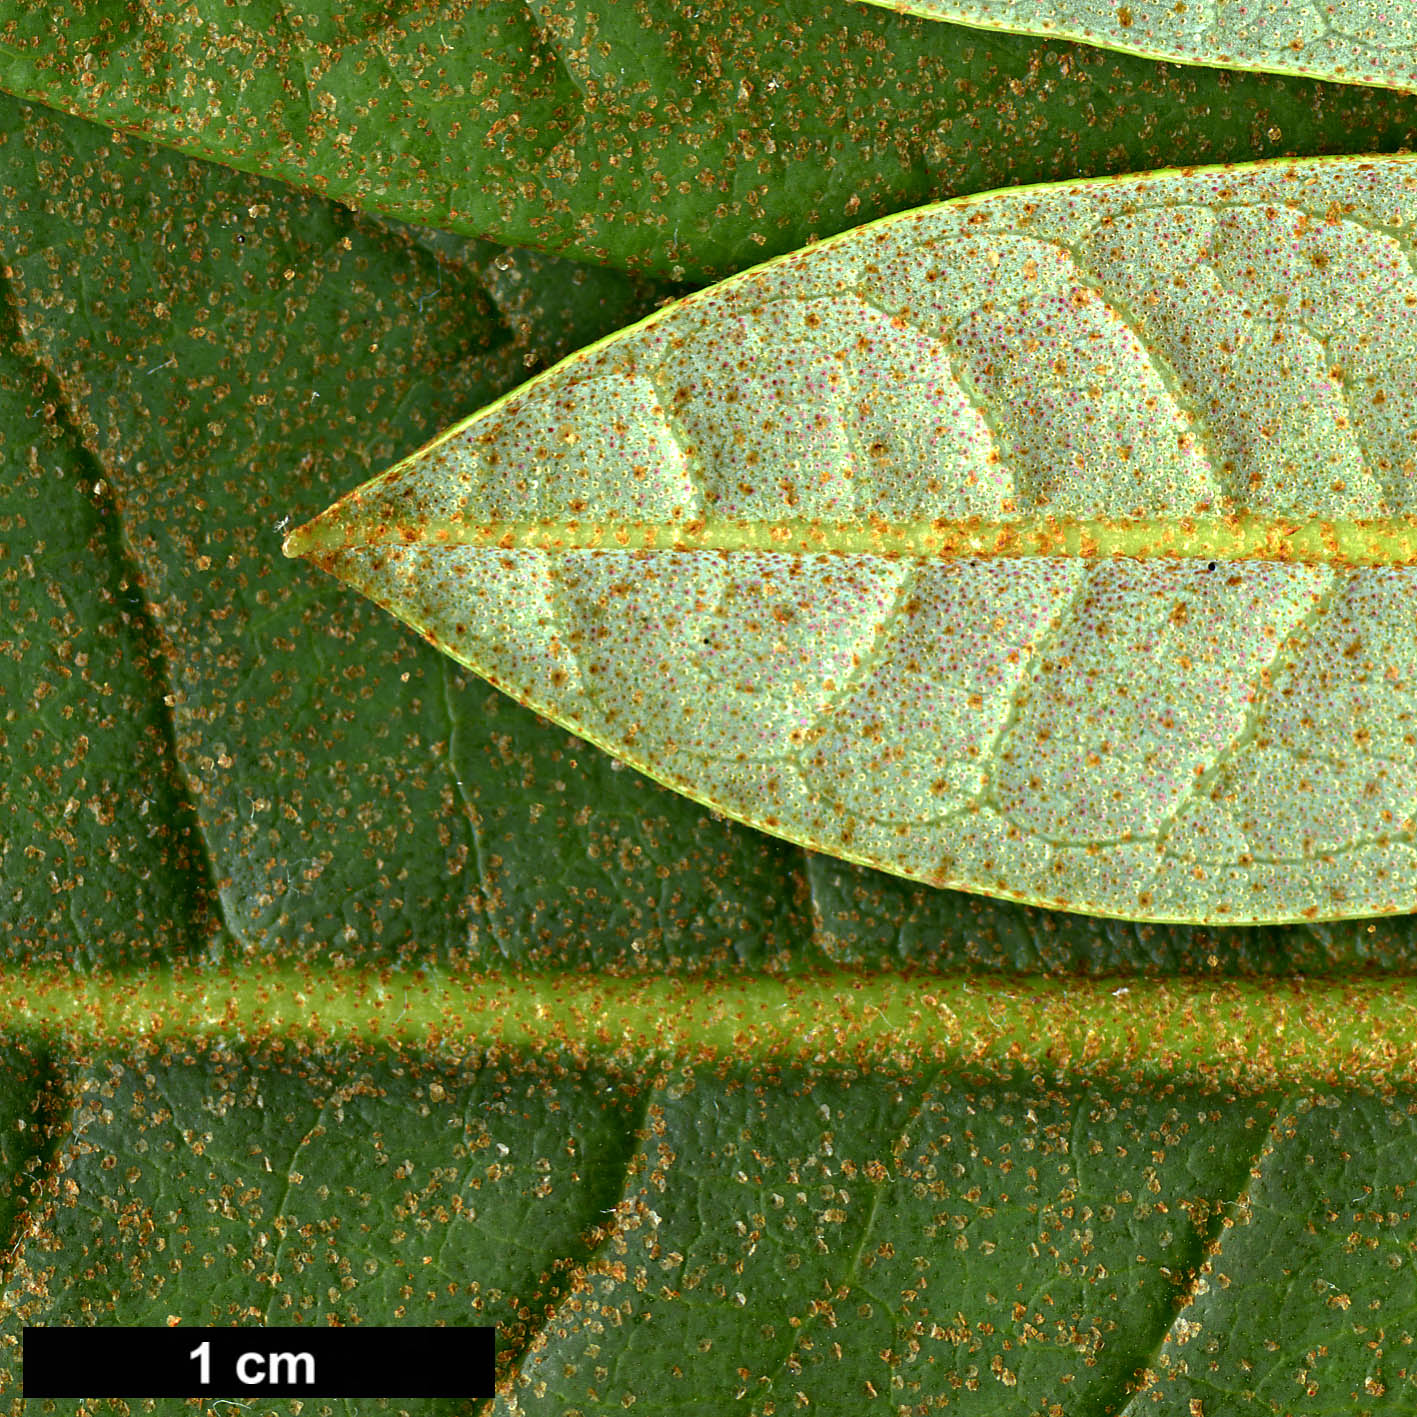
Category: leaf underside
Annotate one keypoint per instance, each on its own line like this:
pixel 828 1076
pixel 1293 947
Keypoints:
pixel 1051 544
pixel 1353 41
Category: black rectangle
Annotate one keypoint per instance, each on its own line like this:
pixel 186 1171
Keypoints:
pixel 258 1362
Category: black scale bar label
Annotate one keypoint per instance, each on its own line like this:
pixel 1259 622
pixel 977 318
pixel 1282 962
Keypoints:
pixel 257 1362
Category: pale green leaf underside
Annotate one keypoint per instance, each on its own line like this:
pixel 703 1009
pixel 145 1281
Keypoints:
pixel 1055 544
pixel 1353 41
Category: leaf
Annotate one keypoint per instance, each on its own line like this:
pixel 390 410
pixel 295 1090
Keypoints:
pixel 1355 41
pixel 402 883
pixel 354 795
pixel 322 1185
pixel 979 1207
pixel 1049 544
pixel 685 139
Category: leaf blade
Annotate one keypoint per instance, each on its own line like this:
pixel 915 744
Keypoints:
pixel 1117 496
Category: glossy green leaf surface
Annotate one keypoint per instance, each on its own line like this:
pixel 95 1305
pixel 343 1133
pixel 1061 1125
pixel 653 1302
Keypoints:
pixel 1053 544
pixel 1355 41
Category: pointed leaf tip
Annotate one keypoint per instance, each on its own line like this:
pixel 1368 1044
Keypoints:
pixel 299 542
pixel 331 531
pixel 1054 544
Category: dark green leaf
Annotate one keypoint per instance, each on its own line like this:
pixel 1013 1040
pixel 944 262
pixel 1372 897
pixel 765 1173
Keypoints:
pixel 223 353
pixel 685 139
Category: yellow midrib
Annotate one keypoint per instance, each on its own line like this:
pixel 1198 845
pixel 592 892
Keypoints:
pixel 1388 541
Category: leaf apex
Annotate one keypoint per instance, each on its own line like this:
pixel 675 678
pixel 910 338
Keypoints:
pixel 304 540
